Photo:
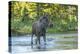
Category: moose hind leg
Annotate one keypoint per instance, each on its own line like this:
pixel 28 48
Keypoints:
pixel 32 41
pixel 36 41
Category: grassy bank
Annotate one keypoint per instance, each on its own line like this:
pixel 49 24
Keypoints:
pixel 20 33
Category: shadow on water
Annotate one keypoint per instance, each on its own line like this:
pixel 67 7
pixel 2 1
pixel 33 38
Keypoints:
pixel 22 44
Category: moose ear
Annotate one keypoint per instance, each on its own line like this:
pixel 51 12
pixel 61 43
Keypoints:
pixel 46 14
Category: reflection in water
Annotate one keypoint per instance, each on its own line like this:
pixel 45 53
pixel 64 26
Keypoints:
pixel 42 45
pixel 22 44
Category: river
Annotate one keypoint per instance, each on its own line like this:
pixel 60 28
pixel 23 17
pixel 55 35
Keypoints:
pixel 22 44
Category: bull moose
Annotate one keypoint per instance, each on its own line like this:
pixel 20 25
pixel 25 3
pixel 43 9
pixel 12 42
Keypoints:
pixel 39 29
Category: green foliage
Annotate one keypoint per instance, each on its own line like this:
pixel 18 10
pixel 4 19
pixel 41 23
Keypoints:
pixel 24 14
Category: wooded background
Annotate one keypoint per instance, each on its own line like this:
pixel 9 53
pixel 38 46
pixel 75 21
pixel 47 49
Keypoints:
pixel 23 14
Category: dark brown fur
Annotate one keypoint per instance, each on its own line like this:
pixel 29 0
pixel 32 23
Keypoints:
pixel 39 29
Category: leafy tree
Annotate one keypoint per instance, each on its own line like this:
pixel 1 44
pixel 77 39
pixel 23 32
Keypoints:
pixel 64 17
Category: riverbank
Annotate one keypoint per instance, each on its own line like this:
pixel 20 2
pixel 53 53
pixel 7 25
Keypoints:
pixel 22 34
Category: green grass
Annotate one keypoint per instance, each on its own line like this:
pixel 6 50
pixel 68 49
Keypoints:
pixel 66 47
pixel 69 37
pixel 23 29
pixel 67 42
pixel 64 44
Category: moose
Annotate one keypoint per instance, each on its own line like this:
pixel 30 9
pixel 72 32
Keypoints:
pixel 39 29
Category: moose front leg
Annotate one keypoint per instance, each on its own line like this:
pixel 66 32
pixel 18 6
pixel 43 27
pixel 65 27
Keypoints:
pixel 38 39
pixel 44 37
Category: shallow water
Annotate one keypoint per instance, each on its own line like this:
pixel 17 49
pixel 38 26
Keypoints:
pixel 22 44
